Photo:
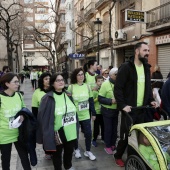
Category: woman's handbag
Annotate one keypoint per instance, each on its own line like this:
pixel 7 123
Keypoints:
pixel 60 137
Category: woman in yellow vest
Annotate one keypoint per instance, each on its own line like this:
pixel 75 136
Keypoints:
pixel 11 103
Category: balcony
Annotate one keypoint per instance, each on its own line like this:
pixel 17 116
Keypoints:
pixel 158 18
pixel 62 26
pixel 80 19
pixel 101 3
pixel 89 10
pixel 104 38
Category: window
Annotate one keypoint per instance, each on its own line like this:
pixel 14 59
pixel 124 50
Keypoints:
pixel 29 19
pixel 29 45
pixel 41 25
pixel 29 10
pixel 41 16
pixel 62 17
pixel 41 10
pixel 29 54
pixel 29 27
pixel 39 45
pixel 28 1
pixel 29 37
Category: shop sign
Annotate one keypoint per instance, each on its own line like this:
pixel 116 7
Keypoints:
pixel 162 39
pixel 134 16
pixel 76 56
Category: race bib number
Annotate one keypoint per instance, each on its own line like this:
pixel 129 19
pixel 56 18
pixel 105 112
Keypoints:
pixel 83 105
pixel 69 118
pixel 10 122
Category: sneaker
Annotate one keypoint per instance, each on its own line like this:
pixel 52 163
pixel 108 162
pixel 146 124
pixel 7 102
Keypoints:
pixel 109 151
pixel 113 148
pixel 94 143
pixel 102 141
pixel 89 155
pixel 47 157
pixel 99 137
pixel 77 154
pixel 119 162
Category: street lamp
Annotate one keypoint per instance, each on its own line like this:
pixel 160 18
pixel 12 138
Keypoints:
pixel 97 25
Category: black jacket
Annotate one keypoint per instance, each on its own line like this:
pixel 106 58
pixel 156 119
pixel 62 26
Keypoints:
pixel 166 96
pixel 27 133
pixel 125 90
pixel 157 75
pixel 45 130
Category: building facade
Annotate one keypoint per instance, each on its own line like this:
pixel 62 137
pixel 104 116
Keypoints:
pixel 154 31
pixel 38 29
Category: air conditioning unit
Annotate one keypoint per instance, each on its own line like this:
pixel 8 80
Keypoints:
pixel 120 35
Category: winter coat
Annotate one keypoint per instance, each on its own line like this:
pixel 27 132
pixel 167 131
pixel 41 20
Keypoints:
pixel 165 96
pixel 125 89
pixel 27 133
pixel 45 130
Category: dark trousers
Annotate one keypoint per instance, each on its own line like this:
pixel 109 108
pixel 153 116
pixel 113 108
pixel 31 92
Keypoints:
pixel 110 118
pixel 22 79
pixel 67 155
pixel 138 117
pixel 6 155
pixel 86 125
pixel 34 83
pixel 98 124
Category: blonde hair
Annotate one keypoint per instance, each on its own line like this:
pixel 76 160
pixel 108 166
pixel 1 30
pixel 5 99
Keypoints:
pixel 156 68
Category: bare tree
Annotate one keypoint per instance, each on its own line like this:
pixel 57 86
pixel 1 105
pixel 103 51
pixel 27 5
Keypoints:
pixel 87 36
pixel 43 36
pixel 9 13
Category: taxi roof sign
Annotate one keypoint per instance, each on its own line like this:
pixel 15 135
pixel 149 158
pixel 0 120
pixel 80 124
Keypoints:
pixel 135 16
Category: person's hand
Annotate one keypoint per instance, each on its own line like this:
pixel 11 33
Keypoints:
pixel 95 88
pixel 21 119
pixel 113 101
pixel 154 104
pixel 127 109
pixel 93 118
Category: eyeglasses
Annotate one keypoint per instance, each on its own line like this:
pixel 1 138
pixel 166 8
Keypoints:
pixel 106 73
pixel 80 74
pixel 15 82
pixel 59 80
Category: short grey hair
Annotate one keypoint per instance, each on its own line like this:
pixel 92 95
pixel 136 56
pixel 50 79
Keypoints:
pixel 113 71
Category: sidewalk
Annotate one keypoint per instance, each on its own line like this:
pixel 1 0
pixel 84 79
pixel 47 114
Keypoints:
pixel 103 161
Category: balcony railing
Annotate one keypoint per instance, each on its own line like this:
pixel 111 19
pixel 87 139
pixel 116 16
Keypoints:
pixel 104 37
pixel 90 9
pixel 100 3
pixel 158 16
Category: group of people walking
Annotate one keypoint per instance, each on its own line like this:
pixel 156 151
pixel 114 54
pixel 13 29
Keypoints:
pixel 60 112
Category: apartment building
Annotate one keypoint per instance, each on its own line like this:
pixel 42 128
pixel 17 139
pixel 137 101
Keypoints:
pixel 37 17
pixel 61 33
pixel 86 12
pixel 154 31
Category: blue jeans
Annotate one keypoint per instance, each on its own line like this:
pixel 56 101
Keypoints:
pixel 86 126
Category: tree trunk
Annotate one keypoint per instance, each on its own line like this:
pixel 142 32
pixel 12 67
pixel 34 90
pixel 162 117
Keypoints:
pixel 110 33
